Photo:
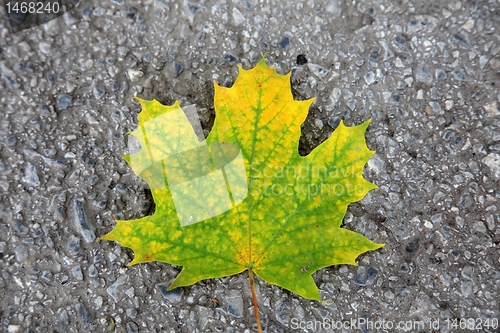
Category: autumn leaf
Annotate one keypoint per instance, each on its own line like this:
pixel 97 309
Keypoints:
pixel 244 199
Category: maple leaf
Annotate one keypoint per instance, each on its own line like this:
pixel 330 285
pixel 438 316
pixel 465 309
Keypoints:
pixel 244 199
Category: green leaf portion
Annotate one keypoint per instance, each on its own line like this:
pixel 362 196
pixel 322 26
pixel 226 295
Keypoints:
pixel 166 162
pixel 244 197
pixel 307 252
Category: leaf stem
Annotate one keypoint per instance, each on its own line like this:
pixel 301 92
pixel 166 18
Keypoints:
pixel 254 300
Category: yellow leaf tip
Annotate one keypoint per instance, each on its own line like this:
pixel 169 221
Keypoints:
pixel 135 261
pixel 138 99
pixel 217 87
pixel 106 237
pixel 366 123
pixel 263 59
pixel 173 285
pixel 310 100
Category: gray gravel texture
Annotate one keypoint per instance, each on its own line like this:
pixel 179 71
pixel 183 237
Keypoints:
pixel 426 72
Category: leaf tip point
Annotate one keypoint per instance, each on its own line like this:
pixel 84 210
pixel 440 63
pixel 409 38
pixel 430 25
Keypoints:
pixel 135 261
pixel 310 100
pixel 142 101
pixel 105 237
pixel 173 285
pixel 263 59
pixel 217 86
pixel 364 125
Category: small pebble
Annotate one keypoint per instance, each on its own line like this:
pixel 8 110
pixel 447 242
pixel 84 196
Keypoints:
pixel 483 60
pixel 367 277
pixel 21 253
pixel 178 68
pixel 234 305
pixel 435 106
pixel 459 76
pixel 173 296
pixel 238 17
pixel 82 222
pixel 131 313
pixel 301 60
pixel 14 329
pixel 440 75
pixel 98 91
pixel 45 47
pixel 31 175
pixel 77 273
pixel 468 25
pixel 113 289
pixel 284 42
pixel 63 101
pixel 492 160
pixel 93 271
pixel 230 58
pixel 467 272
pixel 492 109
pixel 99 11
pixel 466 288
pixel 74 244
pixel 422 23
pixel 334 122
pixel 369 77
pixel 83 314
pixel 318 123
pixel 317 70
pixel 134 75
